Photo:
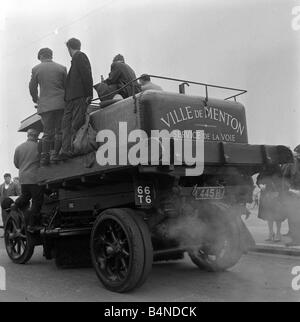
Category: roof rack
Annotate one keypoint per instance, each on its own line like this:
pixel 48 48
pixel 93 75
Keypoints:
pixel 182 85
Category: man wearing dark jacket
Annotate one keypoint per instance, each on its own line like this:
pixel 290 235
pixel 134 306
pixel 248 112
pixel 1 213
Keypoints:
pixel 51 78
pixel 78 95
pixel 120 75
pixel 26 159
pixel 7 189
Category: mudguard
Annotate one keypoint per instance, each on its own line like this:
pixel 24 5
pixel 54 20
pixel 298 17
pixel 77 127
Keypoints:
pixel 246 239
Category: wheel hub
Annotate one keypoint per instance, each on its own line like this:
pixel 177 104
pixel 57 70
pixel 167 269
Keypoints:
pixel 114 249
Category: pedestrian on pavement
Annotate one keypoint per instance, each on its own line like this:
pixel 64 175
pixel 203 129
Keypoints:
pixel 270 206
pixel 50 77
pixel 291 175
pixel 8 189
pixel 78 95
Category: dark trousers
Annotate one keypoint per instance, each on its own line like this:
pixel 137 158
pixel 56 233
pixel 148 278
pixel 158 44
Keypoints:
pixel 35 193
pixel 4 215
pixel 73 120
pixel 52 122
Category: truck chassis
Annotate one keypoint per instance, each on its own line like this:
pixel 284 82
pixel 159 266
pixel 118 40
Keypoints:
pixel 120 221
pixel 122 218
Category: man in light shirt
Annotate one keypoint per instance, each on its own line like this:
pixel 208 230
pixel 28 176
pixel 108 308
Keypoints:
pixel 146 84
pixel 26 159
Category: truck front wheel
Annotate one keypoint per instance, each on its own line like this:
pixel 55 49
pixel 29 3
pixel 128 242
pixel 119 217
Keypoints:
pixel 18 242
pixel 121 249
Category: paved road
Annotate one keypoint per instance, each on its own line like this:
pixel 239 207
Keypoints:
pixel 254 278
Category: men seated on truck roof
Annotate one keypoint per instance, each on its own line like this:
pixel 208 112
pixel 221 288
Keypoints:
pixel 122 74
pixel 146 84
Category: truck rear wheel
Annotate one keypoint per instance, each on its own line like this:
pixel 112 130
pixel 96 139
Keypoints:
pixel 18 242
pixel 221 248
pixel 121 249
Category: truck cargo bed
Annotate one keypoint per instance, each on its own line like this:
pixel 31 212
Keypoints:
pixel 215 154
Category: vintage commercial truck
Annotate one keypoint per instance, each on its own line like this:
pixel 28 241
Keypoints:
pixel 122 217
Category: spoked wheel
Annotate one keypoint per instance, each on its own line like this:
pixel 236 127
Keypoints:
pixel 19 244
pixel 121 249
pixel 221 247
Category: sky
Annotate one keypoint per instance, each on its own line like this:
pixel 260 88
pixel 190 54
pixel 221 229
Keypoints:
pixel 249 44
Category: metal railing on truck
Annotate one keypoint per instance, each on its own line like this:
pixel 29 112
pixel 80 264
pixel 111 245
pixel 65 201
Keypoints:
pixel 182 85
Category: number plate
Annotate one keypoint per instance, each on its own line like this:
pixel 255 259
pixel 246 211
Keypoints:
pixel 144 195
pixel 202 193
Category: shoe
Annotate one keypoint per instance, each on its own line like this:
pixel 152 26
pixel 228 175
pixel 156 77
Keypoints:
pixel 287 234
pixel 53 157
pixel 45 155
pixel 45 159
pixel 57 147
pixel 277 239
pixel 271 238
pixel 63 156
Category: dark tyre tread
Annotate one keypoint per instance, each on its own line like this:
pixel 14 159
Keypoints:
pixel 235 251
pixel 148 248
pixel 142 253
pixel 28 253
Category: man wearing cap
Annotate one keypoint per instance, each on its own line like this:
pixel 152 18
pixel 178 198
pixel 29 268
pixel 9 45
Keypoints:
pixel 122 74
pixel 291 175
pixel 146 84
pixel 7 189
pixel 50 77
pixel 26 159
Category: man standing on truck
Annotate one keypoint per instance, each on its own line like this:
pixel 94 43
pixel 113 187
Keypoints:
pixel 122 74
pixel 51 78
pixel 78 95
pixel 26 159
